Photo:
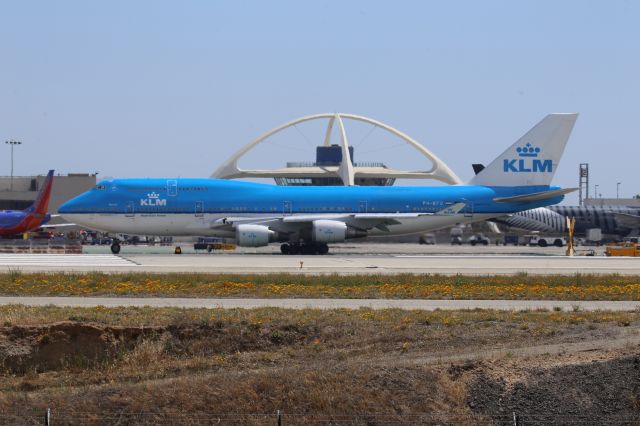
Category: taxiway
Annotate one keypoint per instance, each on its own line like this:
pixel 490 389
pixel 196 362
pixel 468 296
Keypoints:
pixel 292 303
pixel 331 264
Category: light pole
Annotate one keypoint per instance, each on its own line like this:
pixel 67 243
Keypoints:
pixel 12 143
pixel 596 191
pixel 618 189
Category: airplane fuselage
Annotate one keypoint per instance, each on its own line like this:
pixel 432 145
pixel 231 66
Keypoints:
pixel 612 220
pixel 14 223
pixel 191 206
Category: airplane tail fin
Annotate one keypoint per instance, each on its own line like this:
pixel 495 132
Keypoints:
pixel 41 204
pixel 533 159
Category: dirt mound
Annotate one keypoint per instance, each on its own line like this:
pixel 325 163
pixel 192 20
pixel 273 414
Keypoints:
pixel 68 343
pixel 598 392
pixel 76 344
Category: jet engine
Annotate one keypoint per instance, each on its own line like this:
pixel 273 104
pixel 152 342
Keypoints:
pixel 333 231
pixel 249 235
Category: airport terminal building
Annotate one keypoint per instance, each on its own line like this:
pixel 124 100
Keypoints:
pixel 18 193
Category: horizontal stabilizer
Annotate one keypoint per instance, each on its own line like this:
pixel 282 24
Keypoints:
pixel 453 209
pixel 57 225
pixel 534 196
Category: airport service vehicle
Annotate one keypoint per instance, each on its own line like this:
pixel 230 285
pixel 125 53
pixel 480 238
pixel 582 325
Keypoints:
pixel 16 222
pixel 428 239
pixel 456 239
pixel 510 239
pixel 623 249
pixel 456 235
pixel 541 241
pixel 478 239
pixel 307 219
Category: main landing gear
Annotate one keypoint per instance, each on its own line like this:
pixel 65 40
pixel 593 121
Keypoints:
pixel 297 248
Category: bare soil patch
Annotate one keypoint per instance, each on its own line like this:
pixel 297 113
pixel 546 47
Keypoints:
pixel 339 367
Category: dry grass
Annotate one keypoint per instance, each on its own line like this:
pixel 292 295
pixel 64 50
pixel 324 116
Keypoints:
pixel 263 317
pixel 198 366
pixel 403 286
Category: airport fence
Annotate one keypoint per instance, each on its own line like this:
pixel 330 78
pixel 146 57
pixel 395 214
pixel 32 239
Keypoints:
pixel 49 417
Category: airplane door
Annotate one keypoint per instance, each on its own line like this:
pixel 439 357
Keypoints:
pixel 129 212
pixel 199 209
pixel 172 188
pixel 362 207
pixel 287 207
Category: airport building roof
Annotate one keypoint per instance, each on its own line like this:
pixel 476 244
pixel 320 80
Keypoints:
pixel 612 202
pixel 20 193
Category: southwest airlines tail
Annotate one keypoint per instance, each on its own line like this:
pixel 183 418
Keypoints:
pixel 533 159
pixel 41 204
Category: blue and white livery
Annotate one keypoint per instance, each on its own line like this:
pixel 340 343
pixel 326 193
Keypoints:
pixel 306 219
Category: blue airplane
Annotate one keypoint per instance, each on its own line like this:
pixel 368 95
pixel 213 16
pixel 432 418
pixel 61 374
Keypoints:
pixel 16 222
pixel 306 219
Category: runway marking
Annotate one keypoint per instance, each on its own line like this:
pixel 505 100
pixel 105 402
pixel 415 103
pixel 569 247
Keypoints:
pixel 56 260
pixel 407 304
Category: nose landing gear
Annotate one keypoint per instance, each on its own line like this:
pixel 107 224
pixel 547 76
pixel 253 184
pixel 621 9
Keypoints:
pixel 302 248
pixel 115 246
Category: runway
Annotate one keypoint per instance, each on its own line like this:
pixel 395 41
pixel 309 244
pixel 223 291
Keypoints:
pixel 407 304
pixel 479 264
pixel 24 261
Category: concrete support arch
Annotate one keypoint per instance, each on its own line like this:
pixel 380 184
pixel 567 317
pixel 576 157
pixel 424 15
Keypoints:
pixel 346 170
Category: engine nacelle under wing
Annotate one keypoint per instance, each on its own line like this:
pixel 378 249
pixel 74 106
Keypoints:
pixel 333 231
pixel 328 231
pixel 249 235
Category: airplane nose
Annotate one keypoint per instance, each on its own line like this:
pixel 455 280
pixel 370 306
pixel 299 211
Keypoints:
pixel 74 205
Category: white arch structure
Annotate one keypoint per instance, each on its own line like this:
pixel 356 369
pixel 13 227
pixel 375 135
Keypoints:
pixel 346 169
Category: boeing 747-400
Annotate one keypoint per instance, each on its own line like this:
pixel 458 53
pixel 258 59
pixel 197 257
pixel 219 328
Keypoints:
pixel 306 219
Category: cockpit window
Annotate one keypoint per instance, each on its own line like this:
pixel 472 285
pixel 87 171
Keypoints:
pixel 100 187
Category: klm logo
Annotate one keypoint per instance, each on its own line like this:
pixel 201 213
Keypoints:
pixel 528 163
pixel 153 200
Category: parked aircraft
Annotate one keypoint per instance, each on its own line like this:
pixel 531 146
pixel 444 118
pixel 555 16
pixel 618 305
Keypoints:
pixel 306 219
pixel 612 220
pixel 16 222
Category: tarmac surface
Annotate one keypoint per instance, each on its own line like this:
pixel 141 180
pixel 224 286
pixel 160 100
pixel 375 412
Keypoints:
pixel 409 261
pixel 408 304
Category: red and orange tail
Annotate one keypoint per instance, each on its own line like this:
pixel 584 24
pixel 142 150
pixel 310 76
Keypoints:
pixel 41 204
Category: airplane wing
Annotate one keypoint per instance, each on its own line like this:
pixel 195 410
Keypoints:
pixel 625 220
pixel 362 221
pixel 536 196
pixel 57 225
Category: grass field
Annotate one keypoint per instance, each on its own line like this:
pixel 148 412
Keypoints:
pixel 403 286
pixel 364 367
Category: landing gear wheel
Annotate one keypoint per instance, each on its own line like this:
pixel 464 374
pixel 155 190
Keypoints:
pixel 115 248
pixel 178 250
pixel 295 249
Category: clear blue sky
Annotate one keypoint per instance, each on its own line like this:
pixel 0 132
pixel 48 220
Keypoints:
pixel 152 88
